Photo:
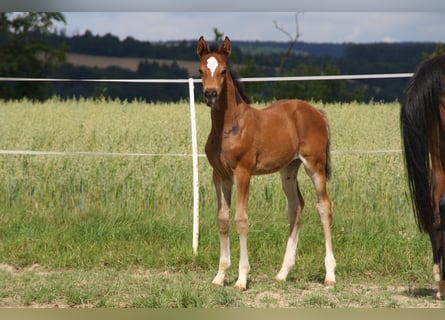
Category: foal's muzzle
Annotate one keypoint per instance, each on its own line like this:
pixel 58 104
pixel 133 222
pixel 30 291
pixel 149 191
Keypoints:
pixel 210 96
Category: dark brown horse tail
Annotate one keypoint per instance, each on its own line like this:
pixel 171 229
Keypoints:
pixel 328 171
pixel 419 113
pixel 328 159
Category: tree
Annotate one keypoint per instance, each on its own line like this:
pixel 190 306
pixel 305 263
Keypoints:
pixel 218 35
pixel 24 51
pixel 293 41
pixel 326 91
pixel 438 51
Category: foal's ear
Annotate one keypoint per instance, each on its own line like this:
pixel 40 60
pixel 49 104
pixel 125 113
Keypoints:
pixel 203 49
pixel 225 47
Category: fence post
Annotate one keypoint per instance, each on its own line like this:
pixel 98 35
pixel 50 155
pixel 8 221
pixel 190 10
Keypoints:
pixel 195 168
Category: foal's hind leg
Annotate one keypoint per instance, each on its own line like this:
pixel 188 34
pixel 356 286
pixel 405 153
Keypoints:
pixel 295 206
pixel 223 193
pixel 318 177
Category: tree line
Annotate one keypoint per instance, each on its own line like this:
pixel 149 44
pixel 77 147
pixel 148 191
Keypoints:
pixel 31 46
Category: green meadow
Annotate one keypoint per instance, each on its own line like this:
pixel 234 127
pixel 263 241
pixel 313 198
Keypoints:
pixel 116 230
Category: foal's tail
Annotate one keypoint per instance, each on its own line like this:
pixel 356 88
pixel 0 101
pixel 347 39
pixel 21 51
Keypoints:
pixel 328 148
pixel 419 118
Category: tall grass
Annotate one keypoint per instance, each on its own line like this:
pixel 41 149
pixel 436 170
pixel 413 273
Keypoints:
pixel 120 212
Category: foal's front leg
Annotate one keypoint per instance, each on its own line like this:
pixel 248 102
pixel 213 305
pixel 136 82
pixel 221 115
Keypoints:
pixel 224 195
pixel 242 182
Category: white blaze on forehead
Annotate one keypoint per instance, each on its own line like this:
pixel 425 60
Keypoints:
pixel 212 64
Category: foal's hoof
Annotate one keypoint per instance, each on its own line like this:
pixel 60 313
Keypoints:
pixel 329 284
pixel 218 283
pixel 280 277
pixel 240 286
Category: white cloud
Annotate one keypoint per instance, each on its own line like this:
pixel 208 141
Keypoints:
pixel 389 39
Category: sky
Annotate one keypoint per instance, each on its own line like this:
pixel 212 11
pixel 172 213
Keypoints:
pixel 317 26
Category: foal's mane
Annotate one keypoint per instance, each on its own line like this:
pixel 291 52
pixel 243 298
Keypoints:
pixel 214 48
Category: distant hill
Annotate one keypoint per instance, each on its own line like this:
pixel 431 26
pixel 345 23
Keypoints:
pixel 109 45
pixel 94 56
pixel 316 49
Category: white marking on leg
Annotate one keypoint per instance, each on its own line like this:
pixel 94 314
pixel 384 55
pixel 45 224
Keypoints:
pixel 224 260
pixel 224 199
pixel 295 205
pixel 244 266
pixel 212 64
pixel 330 264
pixel 289 258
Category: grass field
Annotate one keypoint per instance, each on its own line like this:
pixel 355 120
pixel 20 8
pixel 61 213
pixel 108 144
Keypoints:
pixel 116 231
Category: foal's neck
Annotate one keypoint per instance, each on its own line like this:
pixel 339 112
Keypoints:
pixel 230 100
pixel 230 107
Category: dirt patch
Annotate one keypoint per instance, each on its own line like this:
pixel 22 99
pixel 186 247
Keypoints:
pixel 4 267
pixel 126 63
pixel 8 268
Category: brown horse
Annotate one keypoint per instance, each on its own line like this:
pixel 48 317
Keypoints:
pixel 244 141
pixel 422 120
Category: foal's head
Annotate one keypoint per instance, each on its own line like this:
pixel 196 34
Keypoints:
pixel 213 68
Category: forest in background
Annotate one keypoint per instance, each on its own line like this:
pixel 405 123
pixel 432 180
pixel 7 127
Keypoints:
pixel 252 58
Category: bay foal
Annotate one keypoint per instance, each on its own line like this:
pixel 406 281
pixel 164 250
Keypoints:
pixel 244 141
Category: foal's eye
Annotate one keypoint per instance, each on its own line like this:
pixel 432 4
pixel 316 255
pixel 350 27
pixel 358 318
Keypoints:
pixel 200 71
pixel 223 72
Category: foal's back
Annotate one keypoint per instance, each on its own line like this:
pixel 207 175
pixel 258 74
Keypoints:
pixel 284 131
pixel 307 121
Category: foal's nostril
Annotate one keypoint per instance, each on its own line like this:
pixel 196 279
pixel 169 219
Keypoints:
pixel 210 94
